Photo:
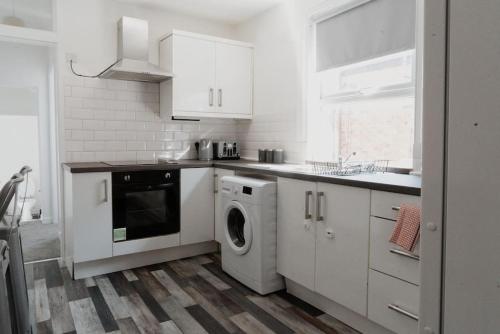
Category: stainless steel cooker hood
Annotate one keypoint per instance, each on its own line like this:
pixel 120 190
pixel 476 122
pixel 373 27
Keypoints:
pixel 133 56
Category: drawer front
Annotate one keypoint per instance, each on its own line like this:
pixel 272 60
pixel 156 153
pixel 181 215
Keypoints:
pixel 388 257
pixel 393 303
pixel 386 205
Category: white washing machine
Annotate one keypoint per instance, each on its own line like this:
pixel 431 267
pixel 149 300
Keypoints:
pixel 249 223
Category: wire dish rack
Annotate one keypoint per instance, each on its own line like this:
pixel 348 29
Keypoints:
pixel 349 168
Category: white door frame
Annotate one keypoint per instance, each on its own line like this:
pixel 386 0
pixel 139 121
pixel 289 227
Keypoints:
pixel 432 64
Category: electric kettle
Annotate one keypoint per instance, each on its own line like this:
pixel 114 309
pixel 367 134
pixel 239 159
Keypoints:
pixel 205 149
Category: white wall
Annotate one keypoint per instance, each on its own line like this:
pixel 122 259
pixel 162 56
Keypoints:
pixel 279 38
pixel 112 120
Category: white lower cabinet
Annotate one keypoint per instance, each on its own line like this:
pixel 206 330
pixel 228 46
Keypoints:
pixel 296 233
pixel 197 205
pixel 332 242
pixel 393 303
pixel 323 233
pixel 342 236
pixel 219 224
pixel 88 216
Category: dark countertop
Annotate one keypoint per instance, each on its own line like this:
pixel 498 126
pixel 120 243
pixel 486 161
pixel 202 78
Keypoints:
pixel 391 182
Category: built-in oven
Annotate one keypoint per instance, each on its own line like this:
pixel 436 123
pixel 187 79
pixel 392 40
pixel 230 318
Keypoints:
pixel 145 204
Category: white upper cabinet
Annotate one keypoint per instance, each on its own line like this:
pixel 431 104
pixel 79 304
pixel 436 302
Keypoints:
pixel 194 86
pixel 213 77
pixel 234 68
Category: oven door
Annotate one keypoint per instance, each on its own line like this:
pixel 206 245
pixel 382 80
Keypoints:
pixel 145 210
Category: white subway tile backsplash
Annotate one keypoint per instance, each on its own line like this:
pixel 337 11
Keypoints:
pixel 116 105
pixel 154 146
pixel 116 84
pixel 81 92
pixel 104 94
pixel 115 146
pixel 72 124
pixel 94 83
pixel 146 135
pixel 136 146
pixel 94 104
pixel 104 114
pixel 94 146
pixel 104 135
pixel 124 156
pixel 73 146
pixel 81 113
pixel 93 124
pixel 115 125
pixel 99 126
pixel 126 135
pixel 83 156
pixel 163 136
pixel 124 115
pixel 126 96
pixel 82 135
pixel 73 102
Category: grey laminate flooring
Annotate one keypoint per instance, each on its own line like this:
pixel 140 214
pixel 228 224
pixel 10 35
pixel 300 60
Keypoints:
pixel 185 296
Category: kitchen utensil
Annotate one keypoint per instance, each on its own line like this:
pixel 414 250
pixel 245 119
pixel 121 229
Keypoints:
pixel 205 149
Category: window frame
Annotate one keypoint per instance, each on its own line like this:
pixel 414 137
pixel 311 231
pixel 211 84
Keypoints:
pixel 331 8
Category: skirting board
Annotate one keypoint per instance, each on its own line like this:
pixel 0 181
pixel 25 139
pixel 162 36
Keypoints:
pixel 129 261
pixel 353 319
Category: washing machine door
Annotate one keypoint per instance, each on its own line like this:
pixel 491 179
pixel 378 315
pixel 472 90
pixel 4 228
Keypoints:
pixel 237 228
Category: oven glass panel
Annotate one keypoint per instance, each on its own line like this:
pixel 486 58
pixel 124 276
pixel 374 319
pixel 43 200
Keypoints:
pixel 145 209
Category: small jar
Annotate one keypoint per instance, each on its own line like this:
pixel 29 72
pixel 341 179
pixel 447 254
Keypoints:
pixel 269 156
pixel 278 156
pixel 262 155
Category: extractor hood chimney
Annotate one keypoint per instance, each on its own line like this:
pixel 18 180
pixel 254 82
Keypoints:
pixel 133 56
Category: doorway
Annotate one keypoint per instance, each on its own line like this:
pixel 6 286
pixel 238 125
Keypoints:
pixel 26 133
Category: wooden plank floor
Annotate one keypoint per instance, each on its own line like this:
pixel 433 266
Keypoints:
pixel 187 296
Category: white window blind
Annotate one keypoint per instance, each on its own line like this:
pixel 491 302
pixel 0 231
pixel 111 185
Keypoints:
pixel 374 29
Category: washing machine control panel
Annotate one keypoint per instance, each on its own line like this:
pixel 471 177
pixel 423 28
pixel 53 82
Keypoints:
pixel 247 190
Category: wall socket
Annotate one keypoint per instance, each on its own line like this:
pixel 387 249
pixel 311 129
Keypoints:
pixel 71 57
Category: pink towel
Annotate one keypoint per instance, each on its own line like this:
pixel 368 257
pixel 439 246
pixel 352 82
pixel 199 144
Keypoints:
pixel 407 230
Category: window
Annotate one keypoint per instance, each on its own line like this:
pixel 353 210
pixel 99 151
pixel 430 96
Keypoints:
pixel 367 107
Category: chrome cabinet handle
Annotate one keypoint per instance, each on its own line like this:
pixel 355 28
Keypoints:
pixel 396 208
pixel 105 191
pixel 220 97
pixel 216 183
pixel 405 254
pixel 404 312
pixel 308 214
pixel 211 97
pixel 319 209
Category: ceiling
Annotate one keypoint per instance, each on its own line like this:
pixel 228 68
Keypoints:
pixel 227 11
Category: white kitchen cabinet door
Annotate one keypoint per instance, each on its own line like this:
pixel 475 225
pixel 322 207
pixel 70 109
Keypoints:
pixel 219 224
pixel 197 205
pixel 234 68
pixel 342 245
pixel 296 231
pixel 194 74
pixel 92 223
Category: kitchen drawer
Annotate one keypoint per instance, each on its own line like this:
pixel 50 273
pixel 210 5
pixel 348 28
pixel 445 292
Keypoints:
pixel 386 205
pixel 388 257
pixel 393 303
